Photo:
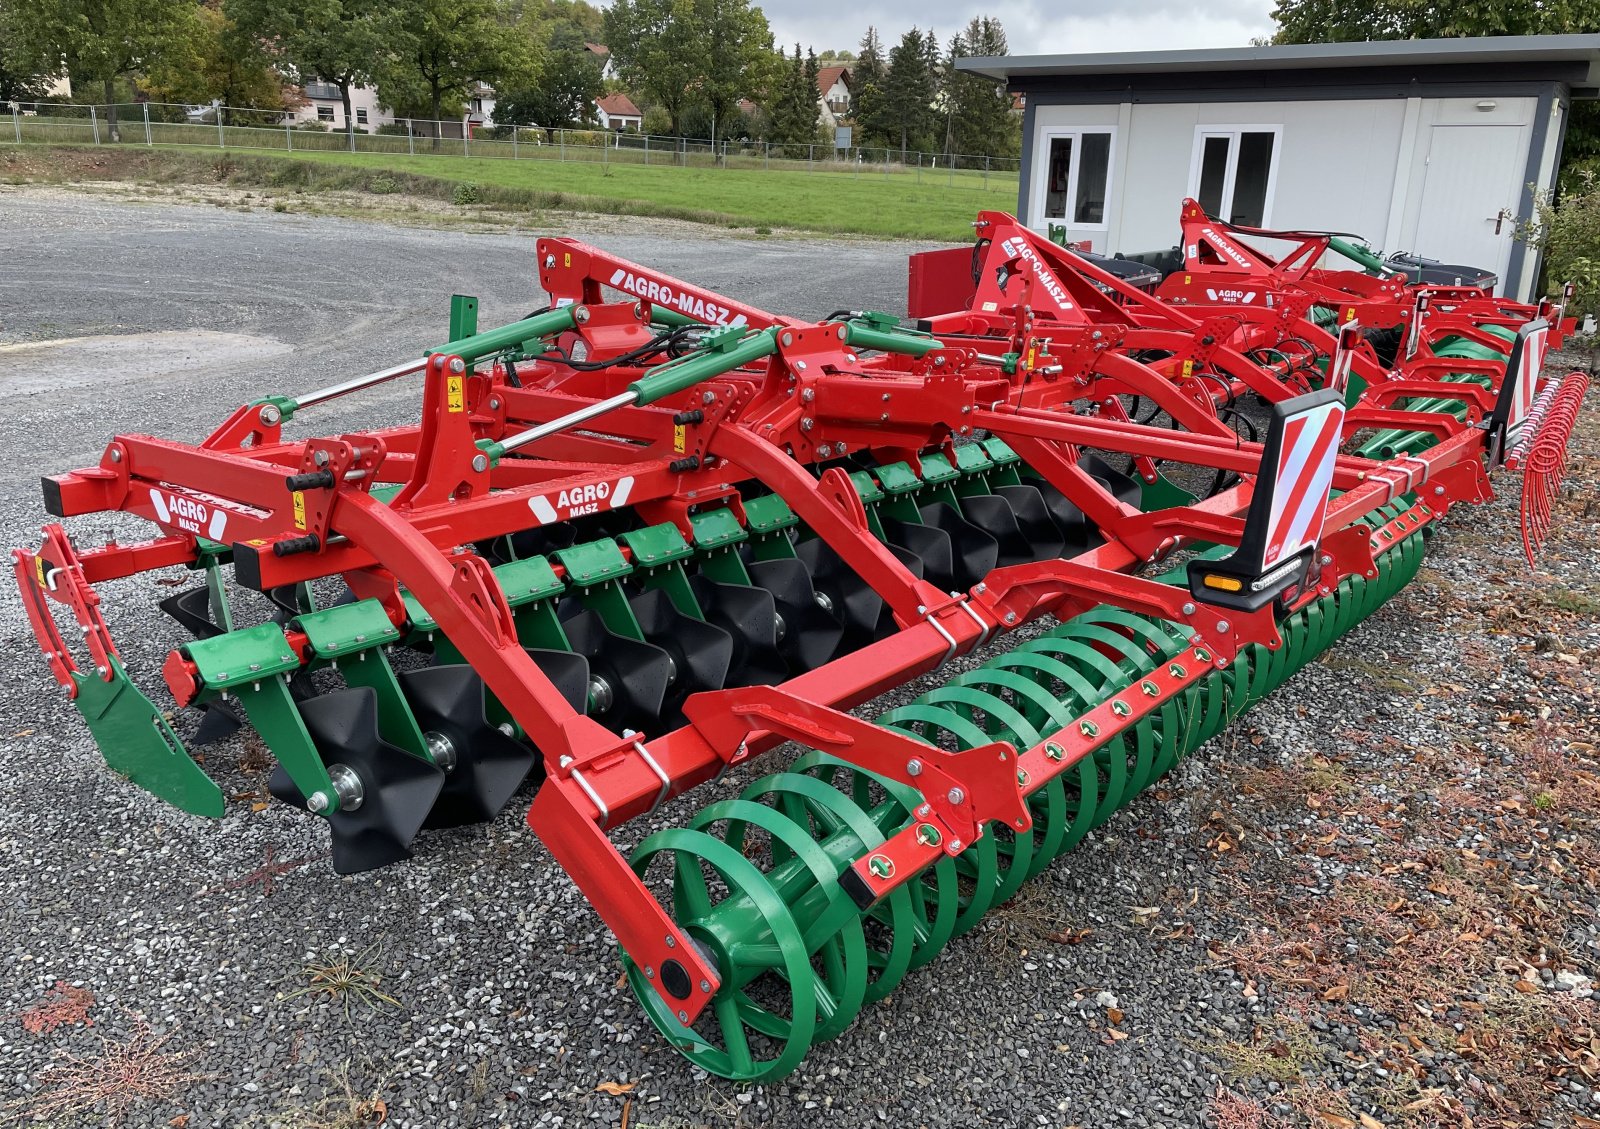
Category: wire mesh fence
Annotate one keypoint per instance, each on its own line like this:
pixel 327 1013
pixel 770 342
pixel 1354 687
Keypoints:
pixel 226 127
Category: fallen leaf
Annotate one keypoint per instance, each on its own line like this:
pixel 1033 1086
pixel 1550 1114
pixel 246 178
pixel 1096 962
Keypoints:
pixel 1114 1014
pixel 615 1089
pixel 1116 1036
pixel 376 1113
pixel 1526 988
pixel 180 1121
pixel 1337 992
pixel 23 733
pixel 1370 1122
pixel 259 805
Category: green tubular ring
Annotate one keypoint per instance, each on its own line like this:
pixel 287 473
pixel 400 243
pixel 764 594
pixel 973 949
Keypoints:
pixel 834 936
pixel 691 907
pixel 827 812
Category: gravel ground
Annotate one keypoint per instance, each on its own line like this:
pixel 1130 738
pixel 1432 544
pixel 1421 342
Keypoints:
pixel 1372 902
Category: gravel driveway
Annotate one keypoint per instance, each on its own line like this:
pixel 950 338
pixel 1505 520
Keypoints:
pixel 1140 982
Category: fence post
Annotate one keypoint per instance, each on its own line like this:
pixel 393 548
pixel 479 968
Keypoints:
pixel 605 154
pixel 16 121
pixel 516 129
pixel 146 123
pixel 986 172
pixel 811 158
pixel 94 123
pixel 288 135
pixel 561 142
pixel 465 129
pixel 411 138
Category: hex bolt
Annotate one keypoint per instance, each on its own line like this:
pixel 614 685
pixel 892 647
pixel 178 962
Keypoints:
pixel 708 397
pixel 457 365
pixel 494 403
pixel 913 767
pixel 1188 609
pixel 1438 491
pixel 1011 617
pixel 672 942
pixel 116 454
pixel 808 395
pixel 705 985
pixel 800 366
pixel 649 973
pixel 955 795
pixel 683 1016
pixel 1224 626
pixel 807 423
pixel 480 463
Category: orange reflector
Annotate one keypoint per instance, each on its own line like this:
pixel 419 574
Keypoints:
pixel 1223 583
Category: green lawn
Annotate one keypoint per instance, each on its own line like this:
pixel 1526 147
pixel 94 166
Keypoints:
pixel 751 190
pixel 933 205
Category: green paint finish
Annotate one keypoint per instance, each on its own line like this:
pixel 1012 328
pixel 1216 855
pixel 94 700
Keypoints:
pixel 421 622
pixel 899 478
pixel 396 723
pixel 860 335
pixel 936 470
pixel 348 628
pixel 138 744
pixel 593 563
pixel 972 458
pixel 242 657
pixel 769 514
pixel 715 528
pixel 1000 451
pixel 528 580
pixel 1163 494
pixel 463 317
pixel 721 351
pixel 271 709
pixel 866 486
pixel 657 545
pixel 510 336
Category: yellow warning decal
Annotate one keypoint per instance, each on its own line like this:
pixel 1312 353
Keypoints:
pixel 38 567
pixel 1350 314
pixel 299 509
pixel 1188 368
pixel 1188 280
pixel 454 394
pixel 680 438
pixel 568 258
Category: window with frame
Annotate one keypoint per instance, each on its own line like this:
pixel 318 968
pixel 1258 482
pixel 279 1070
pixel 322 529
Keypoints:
pixel 361 115
pixel 1077 176
pixel 324 113
pixel 1234 173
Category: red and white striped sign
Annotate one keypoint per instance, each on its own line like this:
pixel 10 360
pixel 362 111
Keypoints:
pixel 1530 362
pixel 1303 476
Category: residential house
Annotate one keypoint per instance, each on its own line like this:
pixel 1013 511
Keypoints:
pixel 608 65
pixel 323 104
pixel 480 107
pixel 617 112
pixel 833 91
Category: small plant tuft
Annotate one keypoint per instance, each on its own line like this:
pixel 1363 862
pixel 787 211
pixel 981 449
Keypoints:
pixel 385 185
pixel 347 980
pixel 467 192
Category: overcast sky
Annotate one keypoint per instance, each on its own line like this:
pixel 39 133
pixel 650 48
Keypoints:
pixel 1032 26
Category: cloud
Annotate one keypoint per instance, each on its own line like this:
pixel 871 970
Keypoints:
pixel 1032 26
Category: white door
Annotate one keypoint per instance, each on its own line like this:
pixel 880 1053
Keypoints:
pixel 1470 193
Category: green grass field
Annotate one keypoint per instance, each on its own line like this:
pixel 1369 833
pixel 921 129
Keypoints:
pixel 751 191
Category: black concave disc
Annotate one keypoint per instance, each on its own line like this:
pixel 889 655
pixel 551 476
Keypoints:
pixel 635 674
pixel 811 634
pixel 489 765
pixel 749 616
pixel 398 790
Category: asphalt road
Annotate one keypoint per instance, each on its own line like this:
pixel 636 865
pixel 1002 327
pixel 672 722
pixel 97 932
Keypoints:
pixel 504 1005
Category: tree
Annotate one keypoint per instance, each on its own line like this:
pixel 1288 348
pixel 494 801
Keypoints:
pixel 737 57
pixel 679 53
pixel 867 81
pixel 569 82
pixel 979 119
pixel 218 62
pixel 447 46
pixel 340 42
pixel 908 93
pixel 96 42
pixel 793 112
pixel 654 43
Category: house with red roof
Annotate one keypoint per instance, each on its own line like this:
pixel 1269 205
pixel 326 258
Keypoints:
pixel 617 112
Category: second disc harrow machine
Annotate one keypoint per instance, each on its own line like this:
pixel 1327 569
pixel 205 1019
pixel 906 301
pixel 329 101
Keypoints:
pixel 651 532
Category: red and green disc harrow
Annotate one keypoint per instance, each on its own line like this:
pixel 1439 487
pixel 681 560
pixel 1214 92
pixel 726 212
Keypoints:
pixel 651 532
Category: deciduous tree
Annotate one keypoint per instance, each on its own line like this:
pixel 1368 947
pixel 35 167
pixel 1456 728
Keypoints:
pixel 95 42
pixel 448 45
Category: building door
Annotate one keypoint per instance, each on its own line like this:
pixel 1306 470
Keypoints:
pixel 1469 194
